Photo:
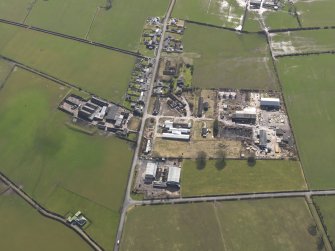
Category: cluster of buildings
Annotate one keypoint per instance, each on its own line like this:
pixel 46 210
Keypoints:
pixel 172 45
pixel 97 111
pixel 138 85
pixel 267 4
pixel 176 131
pixel 162 177
pixel 176 25
pixel 77 219
pixel 153 33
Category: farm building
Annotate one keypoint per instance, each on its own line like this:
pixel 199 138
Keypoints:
pixel 270 103
pixel 262 139
pixel 112 114
pixel 247 116
pixel 173 176
pixel 150 171
pixel 176 135
pixel 99 101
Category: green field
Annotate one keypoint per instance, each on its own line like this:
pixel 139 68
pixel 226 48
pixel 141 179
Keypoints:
pixel 252 23
pixel 309 90
pixel 15 10
pixel 316 13
pixel 226 13
pixel 5 69
pixel 274 224
pixel 65 16
pixel 122 25
pixel 238 177
pixel 227 59
pixel 326 206
pixel 103 72
pixel 23 228
pixel 303 41
pixel 63 169
pixel 280 19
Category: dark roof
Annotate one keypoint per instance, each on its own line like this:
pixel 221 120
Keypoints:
pixel 262 138
pixel 112 112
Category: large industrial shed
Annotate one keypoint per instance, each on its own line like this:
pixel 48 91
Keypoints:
pixel 270 103
pixel 173 176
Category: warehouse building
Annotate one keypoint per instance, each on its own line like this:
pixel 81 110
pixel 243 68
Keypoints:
pixel 270 103
pixel 263 139
pixel 247 116
pixel 173 176
pixel 150 171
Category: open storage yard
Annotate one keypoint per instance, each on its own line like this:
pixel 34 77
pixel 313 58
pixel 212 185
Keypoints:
pixel 103 72
pixel 225 59
pixel 22 228
pixel 305 41
pixel 236 176
pixel 226 13
pixel 58 166
pixel 326 207
pixel 273 224
pixel 309 89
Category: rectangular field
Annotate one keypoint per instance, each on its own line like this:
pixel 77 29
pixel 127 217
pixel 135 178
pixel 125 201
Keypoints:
pixel 326 209
pixel 281 19
pixel 315 13
pixel 15 10
pixel 308 84
pixel 122 25
pixel 225 13
pixel 71 17
pixel 303 41
pixel 97 70
pixel 23 228
pixel 237 177
pixel 63 169
pixel 226 59
pixel 255 225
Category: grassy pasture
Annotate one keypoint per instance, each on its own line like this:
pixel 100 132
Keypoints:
pixel 252 23
pixel 5 70
pixel 15 10
pixel 63 169
pixel 280 19
pixel 227 59
pixel 103 72
pixel 316 13
pixel 23 228
pixel 66 16
pixel 274 224
pixel 303 41
pixel 226 13
pixel 237 177
pixel 327 208
pixel 122 25
pixel 308 85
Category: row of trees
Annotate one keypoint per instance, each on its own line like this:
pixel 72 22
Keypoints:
pixel 220 163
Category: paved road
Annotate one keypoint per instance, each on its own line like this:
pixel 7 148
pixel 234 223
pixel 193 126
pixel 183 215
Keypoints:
pixel 236 197
pixel 127 200
pixel 48 213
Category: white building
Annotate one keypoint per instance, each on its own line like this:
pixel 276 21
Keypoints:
pixel 270 103
pixel 150 170
pixel 173 176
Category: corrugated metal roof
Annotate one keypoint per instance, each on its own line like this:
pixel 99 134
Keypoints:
pixel 174 174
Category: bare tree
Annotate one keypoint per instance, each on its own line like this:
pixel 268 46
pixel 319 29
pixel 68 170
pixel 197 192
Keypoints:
pixel 201 160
